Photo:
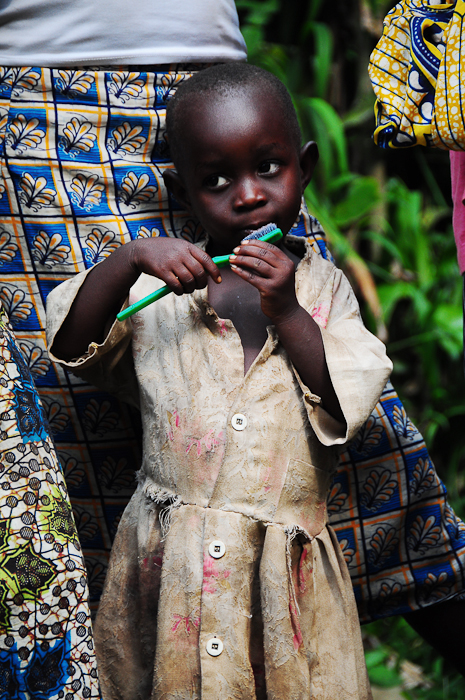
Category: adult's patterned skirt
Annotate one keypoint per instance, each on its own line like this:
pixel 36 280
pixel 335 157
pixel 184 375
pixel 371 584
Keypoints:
pixel 47 650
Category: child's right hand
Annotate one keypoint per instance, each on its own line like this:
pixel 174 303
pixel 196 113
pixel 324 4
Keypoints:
pixel 180 264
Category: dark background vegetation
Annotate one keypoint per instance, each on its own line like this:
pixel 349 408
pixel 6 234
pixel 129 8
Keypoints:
pixel 387 215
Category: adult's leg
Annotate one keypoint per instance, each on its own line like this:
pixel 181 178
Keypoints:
pixel 442 626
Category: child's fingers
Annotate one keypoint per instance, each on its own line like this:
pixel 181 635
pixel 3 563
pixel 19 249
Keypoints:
pixel 174 283
pixel 191 271
pixel 206 262
pixel 185 277
pixel 261 249
pixel 248 275
pixel 253 265
pixel 264 259
pixel 182 265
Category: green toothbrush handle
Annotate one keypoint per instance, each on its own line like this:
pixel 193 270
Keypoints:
pixel 220 260
pixel 139 305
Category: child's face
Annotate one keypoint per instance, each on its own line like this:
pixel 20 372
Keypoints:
pixel 241 167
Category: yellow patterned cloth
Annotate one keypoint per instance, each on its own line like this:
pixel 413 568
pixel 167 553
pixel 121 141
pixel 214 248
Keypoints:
pixel 416 70
pixel 46 641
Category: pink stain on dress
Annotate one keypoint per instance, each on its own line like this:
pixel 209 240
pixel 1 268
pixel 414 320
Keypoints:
pixel 190 621
pixel 297 638
pixel 208 440
pixel 212 576
pixel 321 314
pixel 223 327
pixel 153 562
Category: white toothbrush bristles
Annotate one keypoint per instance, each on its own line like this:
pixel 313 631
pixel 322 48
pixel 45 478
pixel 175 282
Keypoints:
pixel 262 231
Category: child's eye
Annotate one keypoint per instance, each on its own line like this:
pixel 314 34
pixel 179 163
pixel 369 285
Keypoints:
pixel 215 181
pixel 268 168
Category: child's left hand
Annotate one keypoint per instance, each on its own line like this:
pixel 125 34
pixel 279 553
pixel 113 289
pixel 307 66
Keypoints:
pixel 270 271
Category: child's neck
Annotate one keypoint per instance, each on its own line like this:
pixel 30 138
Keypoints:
pixel 239 301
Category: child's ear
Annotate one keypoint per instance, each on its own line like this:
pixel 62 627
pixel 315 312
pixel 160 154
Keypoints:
pixel 176 186
pixel 308 159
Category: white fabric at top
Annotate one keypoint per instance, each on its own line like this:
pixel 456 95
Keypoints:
pixel 112 32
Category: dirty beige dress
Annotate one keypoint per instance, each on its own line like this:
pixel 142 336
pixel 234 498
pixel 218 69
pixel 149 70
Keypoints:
pixel 224 547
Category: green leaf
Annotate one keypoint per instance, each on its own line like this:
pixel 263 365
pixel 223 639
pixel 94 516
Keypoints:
pixel 375 657
pixel 253 37
pixel 422 305
pixel 341 181
pixel 391 294
pixel 362 196
pixel 330 124
pixel 322 58
pixel 313 8
pixel 259 13
pixel 384 677
pixel 448 319
pixel 340 246
pixel 385 242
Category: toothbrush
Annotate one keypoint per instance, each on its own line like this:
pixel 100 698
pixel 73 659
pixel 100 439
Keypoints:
pixel 269 233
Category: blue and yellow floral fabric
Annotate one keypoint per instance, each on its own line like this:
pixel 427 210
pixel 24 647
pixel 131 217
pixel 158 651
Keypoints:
pixel 416 71
pixel 46 644
pixel 83 156
pixel 403 543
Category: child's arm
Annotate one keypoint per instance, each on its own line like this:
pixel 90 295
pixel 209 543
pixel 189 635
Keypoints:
pixel 181 265
pixel 336 359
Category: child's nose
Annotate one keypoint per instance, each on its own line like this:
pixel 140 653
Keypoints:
pixel 250 194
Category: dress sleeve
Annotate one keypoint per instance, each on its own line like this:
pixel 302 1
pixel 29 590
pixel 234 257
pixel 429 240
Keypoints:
pixel 356 359
pixel 108 365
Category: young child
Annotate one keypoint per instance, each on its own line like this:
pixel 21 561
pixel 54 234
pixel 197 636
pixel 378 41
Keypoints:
pixel 225 581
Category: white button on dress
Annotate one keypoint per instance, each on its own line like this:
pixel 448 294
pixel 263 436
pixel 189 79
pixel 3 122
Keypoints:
pixel 239 421
pixel 214 646
pixel 216 549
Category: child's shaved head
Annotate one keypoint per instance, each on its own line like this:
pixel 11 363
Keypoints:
pixel 226 80
pixel 236 146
